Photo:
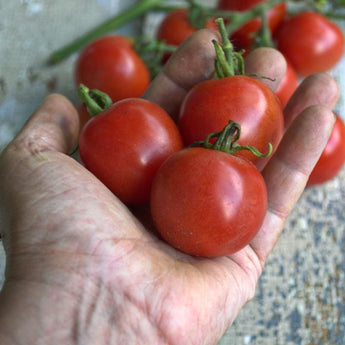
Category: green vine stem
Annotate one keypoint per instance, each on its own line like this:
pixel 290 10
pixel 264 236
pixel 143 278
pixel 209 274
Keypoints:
pixel 95 100
pixel 152 51
pixel 333 9
pixel 226 141
pixel 264 35
pixel 228 62
pixel 111 24
pixel 200 14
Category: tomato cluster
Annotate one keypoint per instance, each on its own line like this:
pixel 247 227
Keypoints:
pixel 310 43
pixel 208 200
pixel 201 175
pixel 204 200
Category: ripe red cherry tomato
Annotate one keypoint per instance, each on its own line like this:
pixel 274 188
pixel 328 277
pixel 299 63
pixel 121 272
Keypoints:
pixel 209 106
pixel 176 27
pixel 311 42
pixel 125 145
pixel 288 85
pixel 208 203
pixel 332 158
pixel 243 37
pixel 111 65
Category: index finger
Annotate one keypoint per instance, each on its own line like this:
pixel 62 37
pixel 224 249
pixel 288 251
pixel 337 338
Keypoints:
pixel 193 62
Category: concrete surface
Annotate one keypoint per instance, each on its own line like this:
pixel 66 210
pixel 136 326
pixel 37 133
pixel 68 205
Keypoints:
pixel 300 298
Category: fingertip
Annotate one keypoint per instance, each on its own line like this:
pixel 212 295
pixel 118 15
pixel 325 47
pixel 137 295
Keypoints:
pixel 192 63
pixel 195 56
pixel 316 89
pixel 268 64
pixel 306 138
pixel 54 125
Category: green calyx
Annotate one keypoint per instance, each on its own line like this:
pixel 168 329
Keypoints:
pixel 226 141
pixel 96 101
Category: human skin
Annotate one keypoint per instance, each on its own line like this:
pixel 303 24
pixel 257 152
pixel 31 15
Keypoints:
pixel 81 269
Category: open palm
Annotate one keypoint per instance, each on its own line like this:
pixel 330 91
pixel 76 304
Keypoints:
pixel 87 271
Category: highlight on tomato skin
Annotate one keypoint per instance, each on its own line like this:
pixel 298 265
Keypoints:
pixel 208 203
pixel 332 159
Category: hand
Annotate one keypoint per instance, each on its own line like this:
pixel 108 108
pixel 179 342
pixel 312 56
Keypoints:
pixel 81 269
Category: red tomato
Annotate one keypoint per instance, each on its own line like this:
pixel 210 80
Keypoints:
pixel 111 65
pixel 125 145
pixel 243 37
pixel 288 85
pixel 208 203
pixel 311 42
pixel 175 27
pixel 209 106
pixel 332 158
pixel 84 115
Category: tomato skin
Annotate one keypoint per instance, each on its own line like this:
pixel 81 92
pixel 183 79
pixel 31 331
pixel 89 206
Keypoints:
pixel 176 28
pixel 288 84
pixel 311 42
pixel 125 145
pixel 111 65
pixel 332 158
pixel 243 37
pixel 209 106
pixel 84 116
pixel 208 203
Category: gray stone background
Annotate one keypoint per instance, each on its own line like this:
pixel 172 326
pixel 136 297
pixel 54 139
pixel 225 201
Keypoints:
pixel 300 298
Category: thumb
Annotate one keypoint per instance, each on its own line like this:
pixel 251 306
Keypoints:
pixel 52 127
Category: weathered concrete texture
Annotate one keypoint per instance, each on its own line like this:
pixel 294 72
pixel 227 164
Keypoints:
pixel 301 295
pixel 300 298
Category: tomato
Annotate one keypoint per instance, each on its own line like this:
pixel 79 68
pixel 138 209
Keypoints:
pixel 111 65
pixel 84 115
pixel 125 144
pixel 176 27
pixel 209 106
pixel 311 42
pixel 243 37
pixel 288 85
pixel 208 203
pixel 332 158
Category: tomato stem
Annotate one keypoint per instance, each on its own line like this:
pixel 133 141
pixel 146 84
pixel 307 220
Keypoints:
pixel 151 52
pixel 199 15
pixel 111 24
pixel 264 35
pixel 95 100
pixel 238 18
pixel 226 141
pixel 228 62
